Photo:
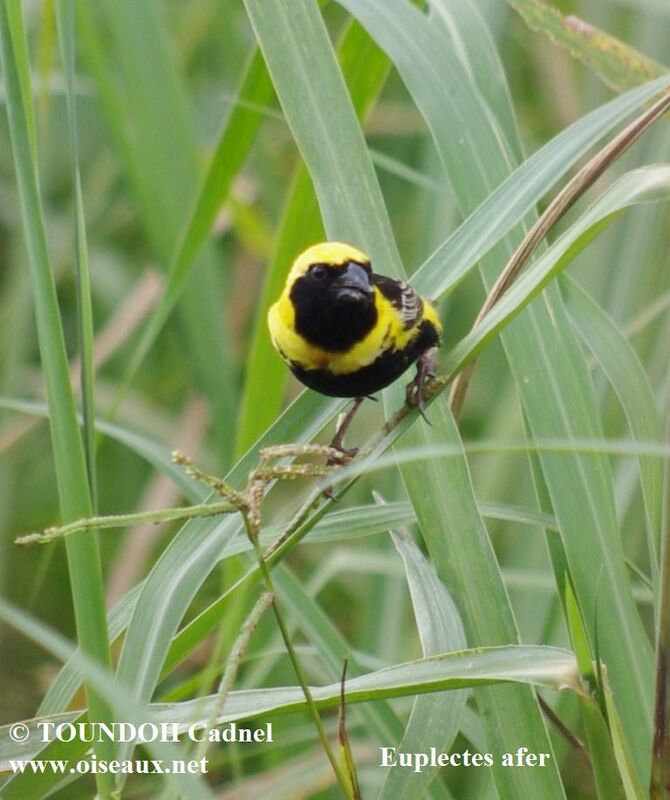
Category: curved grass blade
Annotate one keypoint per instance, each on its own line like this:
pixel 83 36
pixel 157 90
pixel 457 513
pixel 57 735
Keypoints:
pixel 66 38
pixel 617 64
pixel 548 667
pixel 631 385
pixel 235 140
pixel 73 487
pixel 318 109
pixel 648 184
pixel 440 630
pixel 348 194
pixel 117 696
pixel 364 67
pixel 544 356
pixel 506 205
pixel 468 35
pixel 20 42
pixel 433 72
pixel 147 110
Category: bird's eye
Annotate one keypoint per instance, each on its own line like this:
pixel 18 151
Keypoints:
pixel 318 272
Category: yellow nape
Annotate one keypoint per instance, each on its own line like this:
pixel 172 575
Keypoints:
pixel 430 313
pixel 333 253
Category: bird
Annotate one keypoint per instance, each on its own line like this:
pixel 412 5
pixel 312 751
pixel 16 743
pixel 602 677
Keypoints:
pixel 345 331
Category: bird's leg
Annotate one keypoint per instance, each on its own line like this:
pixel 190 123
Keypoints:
pixel 338 439
pixel 426 367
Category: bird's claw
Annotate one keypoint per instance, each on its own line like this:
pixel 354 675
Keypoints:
pixel 414 397
pixel 414 394
pixel 345 454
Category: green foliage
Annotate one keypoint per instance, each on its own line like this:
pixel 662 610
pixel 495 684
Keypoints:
pixel 619 65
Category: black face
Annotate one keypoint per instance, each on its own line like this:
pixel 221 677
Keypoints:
pixel 334 306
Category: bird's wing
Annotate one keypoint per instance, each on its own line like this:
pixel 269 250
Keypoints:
pixel 402 297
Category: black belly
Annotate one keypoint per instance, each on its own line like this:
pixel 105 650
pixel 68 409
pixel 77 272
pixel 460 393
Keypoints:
pixel 376 376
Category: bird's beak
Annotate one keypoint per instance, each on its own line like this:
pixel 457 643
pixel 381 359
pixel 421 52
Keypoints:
pixel 354 279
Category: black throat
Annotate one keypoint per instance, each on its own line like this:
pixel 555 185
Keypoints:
pixel 328 321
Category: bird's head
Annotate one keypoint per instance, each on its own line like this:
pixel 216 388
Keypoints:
pixel 330 296
pixel 331 273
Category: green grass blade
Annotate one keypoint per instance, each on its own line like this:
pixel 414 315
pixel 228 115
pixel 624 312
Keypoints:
pixel 507 205
pixel 622 752
pixel 548 667
pixel 22 56
pixel 440 629
pixel 117 696
pixel 468 35
pixel 66 37
pixel 266 375
pixel 73 489
pixel 466 562
pixel 347 205
pixel 444 93
pixel 648 184
pixel 62 408
pixel 616 63
pixel 364 68
pixel 235 140
pixel 147 109
pixel 318 109
pixel 544 357
pixel 628 379
pixel 605 768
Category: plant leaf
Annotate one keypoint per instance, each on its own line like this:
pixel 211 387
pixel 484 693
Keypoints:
pixel 617 64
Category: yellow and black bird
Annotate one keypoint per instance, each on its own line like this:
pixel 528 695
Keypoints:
pixel 345 331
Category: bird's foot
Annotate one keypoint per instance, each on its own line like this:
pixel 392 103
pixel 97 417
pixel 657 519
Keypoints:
pixel 343 454
pixel 426 368
pixel 338 440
